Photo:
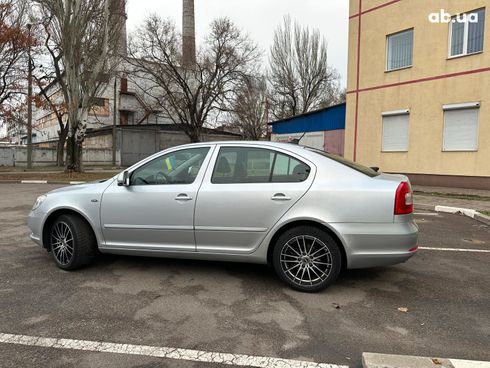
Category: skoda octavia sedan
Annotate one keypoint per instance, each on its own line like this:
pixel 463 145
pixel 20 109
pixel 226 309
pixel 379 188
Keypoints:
pixel 307 213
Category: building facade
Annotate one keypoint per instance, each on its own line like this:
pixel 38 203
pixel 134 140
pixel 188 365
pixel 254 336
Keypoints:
pixel 121 101
pixel 322 129
pixel 418 93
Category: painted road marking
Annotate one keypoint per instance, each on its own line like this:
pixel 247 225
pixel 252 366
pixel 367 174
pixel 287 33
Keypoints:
pixel 34 182
pixel 457 249
pixel 162 352
pixel 426 214
pixel 458 363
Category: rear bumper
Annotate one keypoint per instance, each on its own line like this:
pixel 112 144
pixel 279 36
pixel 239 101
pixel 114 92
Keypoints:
pixel 373 245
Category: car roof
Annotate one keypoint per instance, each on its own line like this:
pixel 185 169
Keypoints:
pixel 288 146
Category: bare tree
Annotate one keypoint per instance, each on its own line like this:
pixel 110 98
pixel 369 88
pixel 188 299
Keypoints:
pixel 191 96
pixel 299 77
pixel 15 117
pixel 250 110
pixel 82 38
pixel 14 42
pixel 52 101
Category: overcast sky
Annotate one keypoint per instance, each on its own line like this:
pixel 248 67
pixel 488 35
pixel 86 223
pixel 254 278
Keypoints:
pixel 259 18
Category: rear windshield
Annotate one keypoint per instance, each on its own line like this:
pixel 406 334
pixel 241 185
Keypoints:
pixel 358 167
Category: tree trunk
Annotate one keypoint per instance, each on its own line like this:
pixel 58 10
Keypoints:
pixel 195 135
pixel 60 148
pixel 73 155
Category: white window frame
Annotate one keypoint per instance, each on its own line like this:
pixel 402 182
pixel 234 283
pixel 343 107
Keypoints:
pixel 387 68
pixel 465 37
pixel 461 106
pixel 395 113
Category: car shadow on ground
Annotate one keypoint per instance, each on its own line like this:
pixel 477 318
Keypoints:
pixel 256 273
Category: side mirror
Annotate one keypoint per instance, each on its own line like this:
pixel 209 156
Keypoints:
pixel 123 179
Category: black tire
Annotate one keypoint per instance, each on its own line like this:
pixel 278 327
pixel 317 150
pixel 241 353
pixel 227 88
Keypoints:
pixel 83 245
pixel 304 251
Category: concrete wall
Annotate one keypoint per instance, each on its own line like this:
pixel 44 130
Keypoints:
pixel 331 140
pixel 17 156
pixel 423 88
pixel 310 139
pixel 139 144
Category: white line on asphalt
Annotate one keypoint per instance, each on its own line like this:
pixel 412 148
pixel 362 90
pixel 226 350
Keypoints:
pixel 458 363
pixel 162 352
pixel 457 249
pixel 34 182
pixel 426 214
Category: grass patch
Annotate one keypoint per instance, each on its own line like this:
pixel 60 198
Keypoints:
pixel 486 213
pixel 59 176
pixel 21 169
pixel 471 197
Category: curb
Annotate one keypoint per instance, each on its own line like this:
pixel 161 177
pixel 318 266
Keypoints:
pixel 373 360
pixel 456 211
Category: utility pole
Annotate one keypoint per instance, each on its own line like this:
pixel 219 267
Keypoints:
pixel 114 123
pixel 29 101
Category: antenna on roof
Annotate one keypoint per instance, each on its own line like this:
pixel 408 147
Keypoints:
pixel 296 140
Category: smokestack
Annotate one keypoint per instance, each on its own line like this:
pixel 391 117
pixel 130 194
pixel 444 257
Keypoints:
pixel 188 34
pixel 118 10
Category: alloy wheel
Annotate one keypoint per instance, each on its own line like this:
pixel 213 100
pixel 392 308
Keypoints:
pixel 306 260
pixel 62 243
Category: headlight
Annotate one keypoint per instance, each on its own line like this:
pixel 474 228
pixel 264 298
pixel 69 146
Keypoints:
pixel 38 202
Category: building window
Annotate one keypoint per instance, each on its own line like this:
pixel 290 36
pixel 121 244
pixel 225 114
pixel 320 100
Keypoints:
pixel 466 33
pixel 461 127
pixel 395 131
pixel 399 52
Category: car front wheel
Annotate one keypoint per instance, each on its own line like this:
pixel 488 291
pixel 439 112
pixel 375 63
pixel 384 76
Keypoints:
pixel 307 259
pixel 72 242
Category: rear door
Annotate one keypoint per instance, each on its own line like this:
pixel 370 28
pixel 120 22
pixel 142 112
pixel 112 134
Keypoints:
pixel 245 193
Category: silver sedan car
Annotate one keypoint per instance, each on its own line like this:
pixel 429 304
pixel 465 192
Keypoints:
pixel 305 212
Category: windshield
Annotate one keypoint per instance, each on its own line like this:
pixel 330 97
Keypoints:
pixel 353 165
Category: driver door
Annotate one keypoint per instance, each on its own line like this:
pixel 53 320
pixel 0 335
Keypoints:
pixel 156 211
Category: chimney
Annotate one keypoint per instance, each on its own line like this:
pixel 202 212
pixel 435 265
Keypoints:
pixel 119 12
pixel 188 34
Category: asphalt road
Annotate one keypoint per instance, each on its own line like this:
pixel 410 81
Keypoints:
pixel 240 308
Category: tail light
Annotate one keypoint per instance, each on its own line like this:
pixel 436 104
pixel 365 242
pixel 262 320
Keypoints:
pixel 403 199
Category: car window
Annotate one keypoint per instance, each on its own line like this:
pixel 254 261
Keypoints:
pixel 353 165
pixel 179 167
pixel 257 165
pixel 288 170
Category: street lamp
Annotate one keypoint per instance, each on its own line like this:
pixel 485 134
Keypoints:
pixel 29 100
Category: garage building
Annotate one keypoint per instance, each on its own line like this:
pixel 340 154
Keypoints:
pixel 322 129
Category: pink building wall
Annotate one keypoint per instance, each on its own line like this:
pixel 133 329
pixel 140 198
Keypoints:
pixel 334 141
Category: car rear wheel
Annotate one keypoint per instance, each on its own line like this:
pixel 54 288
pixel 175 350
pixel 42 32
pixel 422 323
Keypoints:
pixel 72 242
pixel 307 259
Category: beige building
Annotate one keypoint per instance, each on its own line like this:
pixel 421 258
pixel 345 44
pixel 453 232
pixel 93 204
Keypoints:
pixel 418 94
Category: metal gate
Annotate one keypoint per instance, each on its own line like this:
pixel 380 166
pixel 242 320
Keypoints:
pixel 137 145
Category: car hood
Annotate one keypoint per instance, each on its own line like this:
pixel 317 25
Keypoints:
pixel 96 186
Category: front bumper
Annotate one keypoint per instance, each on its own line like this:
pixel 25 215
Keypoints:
pixel 35 223
pixel 374 245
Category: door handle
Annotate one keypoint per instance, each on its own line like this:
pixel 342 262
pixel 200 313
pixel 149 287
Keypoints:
pixel 280 197
pixel 183 197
